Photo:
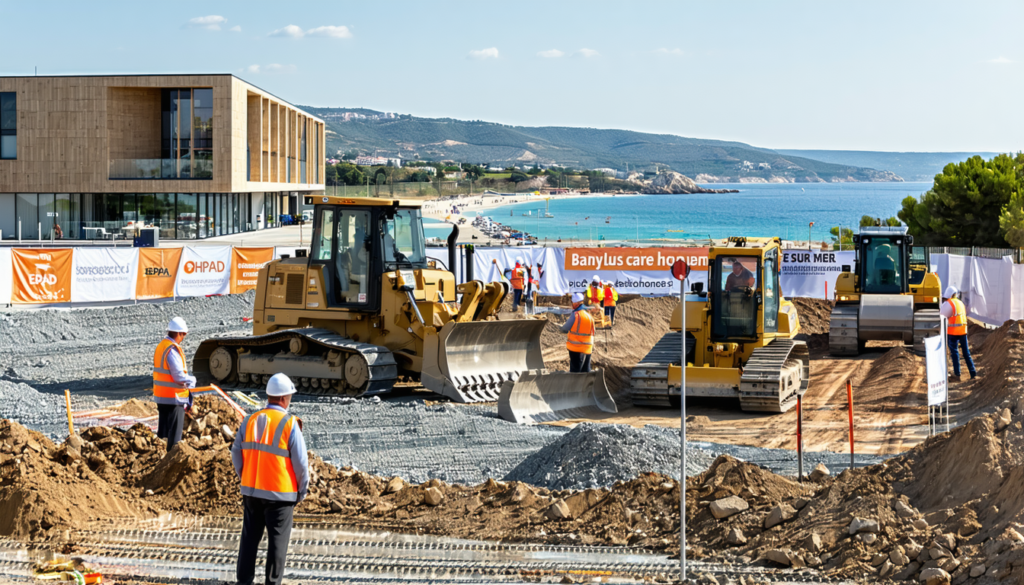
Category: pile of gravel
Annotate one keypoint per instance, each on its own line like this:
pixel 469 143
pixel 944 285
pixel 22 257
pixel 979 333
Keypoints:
pixel 598 455
pixel 36 410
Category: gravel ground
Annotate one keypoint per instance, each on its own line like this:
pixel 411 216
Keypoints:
pixel 103 355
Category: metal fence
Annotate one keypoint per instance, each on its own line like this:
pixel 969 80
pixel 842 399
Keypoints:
pixel 1016 253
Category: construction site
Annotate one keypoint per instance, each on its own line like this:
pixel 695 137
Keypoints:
pixel 448 441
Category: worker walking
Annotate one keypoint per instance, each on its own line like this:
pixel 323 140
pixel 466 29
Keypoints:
pixel 594 294
pixel 518 280
pixel 171 383
pixel 955 312
pixel 580 341
pixel 269 455
pixel 611 296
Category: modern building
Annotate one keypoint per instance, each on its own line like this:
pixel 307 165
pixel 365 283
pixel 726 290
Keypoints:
pixel 197 156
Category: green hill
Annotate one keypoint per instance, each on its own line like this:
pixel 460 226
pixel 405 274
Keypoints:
pixel 912 166
pixel 706 161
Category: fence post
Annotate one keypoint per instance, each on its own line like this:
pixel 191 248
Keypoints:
pixel 849 401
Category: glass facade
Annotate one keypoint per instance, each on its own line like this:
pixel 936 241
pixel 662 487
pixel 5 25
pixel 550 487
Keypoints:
pixel 116 216
pixel 8 125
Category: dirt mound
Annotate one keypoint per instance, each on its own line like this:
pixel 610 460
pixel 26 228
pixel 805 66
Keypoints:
pixel 999 357
pixel 955 502
pixel 46 489
pixel 815 314
pixel 137 408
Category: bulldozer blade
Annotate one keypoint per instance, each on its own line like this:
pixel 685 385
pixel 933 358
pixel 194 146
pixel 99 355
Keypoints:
pixel 468 362
pixel 540 396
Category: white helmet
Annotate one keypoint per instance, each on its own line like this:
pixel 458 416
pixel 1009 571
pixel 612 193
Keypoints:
pixel 177 325
pixel 596 278
pixel 521 261
pixel 280 385
pixel 577 298
pixel 950 292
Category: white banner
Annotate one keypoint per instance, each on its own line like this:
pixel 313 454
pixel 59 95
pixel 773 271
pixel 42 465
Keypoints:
pixel 204 270
pixel 808 273
pixel 6 276
pixel 103 274
pixel 935 366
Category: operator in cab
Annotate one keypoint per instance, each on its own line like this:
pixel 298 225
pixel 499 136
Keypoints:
pixel 739 278
pixel 580 329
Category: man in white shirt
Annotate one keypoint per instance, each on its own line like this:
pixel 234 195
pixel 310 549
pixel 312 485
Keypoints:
pixel 171 383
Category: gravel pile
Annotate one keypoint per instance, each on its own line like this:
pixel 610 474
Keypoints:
pixel 41 412
pixel 458 444
pixel 595 455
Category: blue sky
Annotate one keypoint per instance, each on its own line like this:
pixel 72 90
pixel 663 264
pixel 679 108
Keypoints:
pixel 923 76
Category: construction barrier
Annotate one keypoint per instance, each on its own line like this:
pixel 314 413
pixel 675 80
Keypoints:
pixel 101 275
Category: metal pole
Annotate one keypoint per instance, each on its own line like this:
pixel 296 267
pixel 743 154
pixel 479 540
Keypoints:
pixel 849 402
pixel 682 433
pixel 945 371
pixel 799 438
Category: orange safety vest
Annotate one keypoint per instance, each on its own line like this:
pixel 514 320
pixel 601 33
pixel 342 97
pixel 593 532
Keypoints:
pixel 517 278
pixel 267 470
pixel 594 294
pixel 581 335
pixel 610 296
pixel 957 324
pixel 165 389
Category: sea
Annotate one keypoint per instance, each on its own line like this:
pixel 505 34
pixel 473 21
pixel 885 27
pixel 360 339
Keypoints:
pixel 758 210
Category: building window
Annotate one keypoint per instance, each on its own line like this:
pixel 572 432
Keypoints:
pixel 8 125
pixel 186 134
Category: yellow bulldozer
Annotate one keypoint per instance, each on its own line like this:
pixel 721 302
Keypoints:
pixel 365 307
pixel 891 293
pixel 740 336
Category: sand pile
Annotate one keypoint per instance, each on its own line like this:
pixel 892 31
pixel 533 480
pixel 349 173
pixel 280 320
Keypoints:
pixel 953 504
pixel 998 357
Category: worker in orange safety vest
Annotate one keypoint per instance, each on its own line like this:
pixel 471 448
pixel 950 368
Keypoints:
pixel 171 383
pixel 517 278
pixel 955 312
pixel 580 341
pixel 269 455
pixel 611 296
pixel 594 294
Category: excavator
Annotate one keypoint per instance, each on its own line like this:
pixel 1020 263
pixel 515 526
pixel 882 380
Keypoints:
pixel 891 293
pixel 365 307
pixel 740 336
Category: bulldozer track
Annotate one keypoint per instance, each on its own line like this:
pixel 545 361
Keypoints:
pixel 649 378
pixel 380 367
pixel 843 339
pixel 763 384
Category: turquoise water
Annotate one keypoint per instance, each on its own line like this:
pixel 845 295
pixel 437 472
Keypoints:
pixel 759 210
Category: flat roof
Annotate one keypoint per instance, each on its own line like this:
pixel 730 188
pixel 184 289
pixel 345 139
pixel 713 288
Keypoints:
pixel 170 75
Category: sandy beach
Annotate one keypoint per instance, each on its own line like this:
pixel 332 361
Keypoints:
pixel 441 209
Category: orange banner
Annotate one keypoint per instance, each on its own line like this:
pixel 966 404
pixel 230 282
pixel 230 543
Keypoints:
pixel 634 259
pixel 41 275
pixel 245 267
pixel 158 268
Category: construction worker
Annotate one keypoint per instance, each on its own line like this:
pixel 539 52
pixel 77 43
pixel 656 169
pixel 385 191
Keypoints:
pixel 580 342
pixel 518 280
pixel 269 455
pixel 611 296
pixel 955 312
pixel 171 383
pixel 594 294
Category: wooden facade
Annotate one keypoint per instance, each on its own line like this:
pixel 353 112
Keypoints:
pixel 70 129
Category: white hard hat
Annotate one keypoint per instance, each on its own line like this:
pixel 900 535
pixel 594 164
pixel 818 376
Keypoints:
pixel 280 385
pixel 520 260
pixel 177 325
pixel 951 291
pixel 577 297
pixel 596 278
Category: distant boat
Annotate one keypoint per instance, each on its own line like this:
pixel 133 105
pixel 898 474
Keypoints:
pixel 547 206
pixel 608 219
pixel 528 213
